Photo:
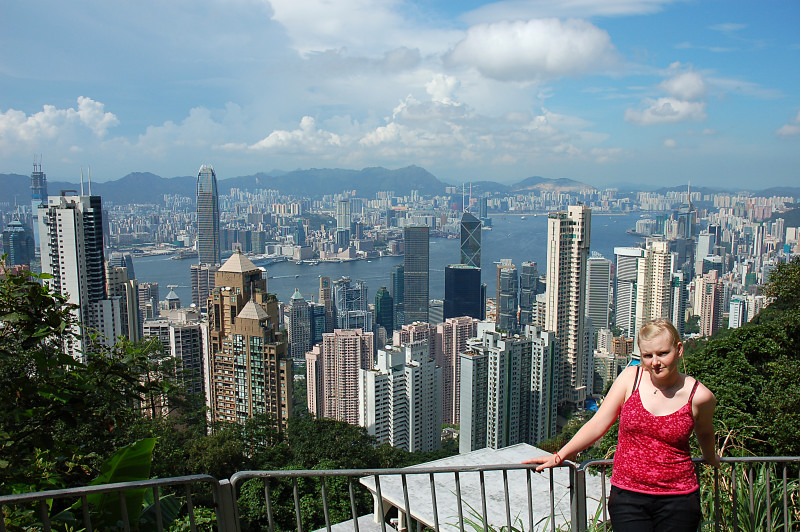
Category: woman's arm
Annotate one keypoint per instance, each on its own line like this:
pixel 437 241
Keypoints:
pixel 595 428
pixel 703 405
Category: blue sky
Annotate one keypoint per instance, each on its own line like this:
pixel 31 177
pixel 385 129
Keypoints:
pixel 640 91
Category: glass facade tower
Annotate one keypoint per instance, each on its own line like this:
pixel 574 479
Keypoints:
pixel 208 248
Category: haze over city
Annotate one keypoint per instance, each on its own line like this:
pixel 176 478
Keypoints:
pixel 641 91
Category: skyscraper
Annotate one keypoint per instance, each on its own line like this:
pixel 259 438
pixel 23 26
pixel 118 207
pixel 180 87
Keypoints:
pixel 71 241
pixel 470 240
pixel 351 305
pixel 710 311
pixel 332 373
pixel 528 289
pixel 18 244
pixel 399 398
pixel 208 245
pixel 249 371
pixel 202 279
pixel 326 300
pixel 598 288
pixel 38 197
pixel 568 239
pixel 462 291
pixel 119 284
pixel 384 310
pixel 416 273
pixel 451 339
pixel 627 278
pixel 507 296
pixel 398 294
pixel 298 317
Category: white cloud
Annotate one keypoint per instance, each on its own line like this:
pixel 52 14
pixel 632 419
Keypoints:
pixel 791 129
pixel 533 50
pixel 527 9
pixel 21 131
pixel 666 111
pixel 441 88
pixel 670 143
pixel 685 86
pixel 307 138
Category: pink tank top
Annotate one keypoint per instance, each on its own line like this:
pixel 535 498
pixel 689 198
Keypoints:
pixel 653 454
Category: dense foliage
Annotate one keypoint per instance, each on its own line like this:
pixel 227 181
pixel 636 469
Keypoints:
pixel 62 421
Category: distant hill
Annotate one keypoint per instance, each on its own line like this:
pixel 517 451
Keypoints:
pixel 791 217
pixel 555 185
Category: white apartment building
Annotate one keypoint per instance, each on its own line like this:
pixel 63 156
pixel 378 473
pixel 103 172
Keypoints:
pixel 399 398
pixel 451 339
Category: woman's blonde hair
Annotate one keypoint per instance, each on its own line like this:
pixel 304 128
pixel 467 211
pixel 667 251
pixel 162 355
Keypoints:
pixel 653 328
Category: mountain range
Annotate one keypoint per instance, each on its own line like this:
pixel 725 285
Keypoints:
pixel 145 187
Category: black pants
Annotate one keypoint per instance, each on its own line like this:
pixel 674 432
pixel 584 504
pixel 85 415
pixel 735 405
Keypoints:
pixel 638 512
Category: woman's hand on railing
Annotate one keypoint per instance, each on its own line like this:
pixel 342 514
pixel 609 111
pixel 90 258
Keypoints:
pixel 547 461
pixel 713 461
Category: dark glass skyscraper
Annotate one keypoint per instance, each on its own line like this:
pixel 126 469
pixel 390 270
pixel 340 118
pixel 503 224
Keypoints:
pixel 398 294
pixel 38 197
pixel 384 310
pixel 416 273
pixel 208 249
pixel 528 288
pixel 18 244
pixel 462 291
pixel 470 240
pixel 507 297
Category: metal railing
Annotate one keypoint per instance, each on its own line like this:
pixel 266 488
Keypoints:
pixel 746 494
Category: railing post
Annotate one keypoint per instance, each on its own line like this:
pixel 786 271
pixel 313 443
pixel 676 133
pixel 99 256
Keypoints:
pixel 577 492
pixel 227 520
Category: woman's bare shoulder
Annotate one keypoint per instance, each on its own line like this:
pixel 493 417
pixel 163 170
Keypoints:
pixel 703 395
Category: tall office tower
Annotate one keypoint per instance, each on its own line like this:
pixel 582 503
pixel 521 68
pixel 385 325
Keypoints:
pixel 507 297
pixel 710 287
pixel 398 294
pixel 326 300
pixel 495 391
pixel 528 289
pixel 416 332
pixel 384 310
pixel 184 335
pixel 19 244
pixel 249 371
pixel 483 207
pixel 122 260
pixel 298 317
pixel 38 197
pixel 399 399
pixel 148 300
pixel 704 247
pixel 679 297
pixel 318 322
pixel 208 245
pixel 343 220
pixel 332 373
pixel 626 288
pixel 545 356
pixel 451 339
pixel 686 217
pixel 462 291
pixel 598 289
pixel 568 239
pixel 436 311
pixel 202 279
pixel 737 316
pixel 351 305
pixel 416 273
pixel 470 240
pixel 120 285
pixel 71 240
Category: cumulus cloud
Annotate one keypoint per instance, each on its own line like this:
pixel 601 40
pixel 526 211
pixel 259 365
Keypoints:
pixel 527 9
pixel 670 143
pixel 792 129
pixel 536 49
pixel 441 88
pixel 686 86
pixel 666 111
pixel 307 138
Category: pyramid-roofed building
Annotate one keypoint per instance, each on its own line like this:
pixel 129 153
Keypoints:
pixel 238 263
pixel 253 311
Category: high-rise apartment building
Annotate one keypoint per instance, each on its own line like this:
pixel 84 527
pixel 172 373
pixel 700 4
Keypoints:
pixel 507 296
pixel 654 284
pixel 470 240
pixel 71 240
pixel 326 300
pixel 202 280
pixel 737 315
pixel 416 273
pixel 399 398
pixel 120 285
pixel 462 291
pixel 416 332
pixel 507 385
pixel 627 277
pixel 298 326
pixel 249 371
pixel 148 300
pixel 450 340
pixel 711 296
pixel 568 239
pixel 208 243
pixel 398 294
pixel 598 289
pixel 332 377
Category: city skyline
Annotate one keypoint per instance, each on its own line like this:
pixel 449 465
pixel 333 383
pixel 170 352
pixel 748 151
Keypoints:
pixel 603 93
